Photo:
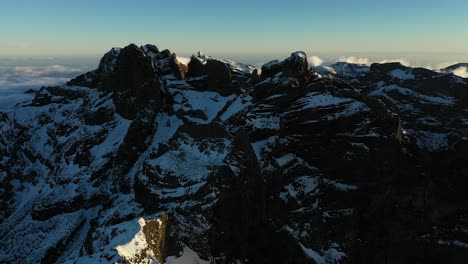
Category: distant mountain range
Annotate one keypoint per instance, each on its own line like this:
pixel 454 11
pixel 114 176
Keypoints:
pixel 152 158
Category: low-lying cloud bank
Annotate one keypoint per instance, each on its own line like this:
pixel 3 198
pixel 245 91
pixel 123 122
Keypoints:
pixel 317 61
pixel 353 60
pixel 461 71
pixel 27 77
pixel 402 61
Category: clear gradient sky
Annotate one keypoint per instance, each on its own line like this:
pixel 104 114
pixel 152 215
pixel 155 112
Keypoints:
pixel 75 27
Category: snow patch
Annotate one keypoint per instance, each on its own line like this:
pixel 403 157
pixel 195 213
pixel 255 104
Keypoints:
pixel 238 105
pixel 331 255
pixel 8 101
pixel 431 141
pixel 402 75
pixel 284 160
pixel 384 90
pixel 188 257
pixel 137 246
pixel 262 146
pixel 183 60
pixel 210 103
pixel 270 122
pixel 455 243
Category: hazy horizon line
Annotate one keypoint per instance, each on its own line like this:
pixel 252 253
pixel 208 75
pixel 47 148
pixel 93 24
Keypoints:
pixel 45 55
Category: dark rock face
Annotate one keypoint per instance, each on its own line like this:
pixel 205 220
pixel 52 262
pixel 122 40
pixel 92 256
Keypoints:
pixel 240 210
pixel 212 75
pixel 196 68
pixel 99 117
pixel 179 69
pixel 387 67
pixel 134 82
pixel 94 79
pixel 108 61
pixel 219 77
pixel 152 48
pixel 214 162
pixel 136 141
pixel 294 66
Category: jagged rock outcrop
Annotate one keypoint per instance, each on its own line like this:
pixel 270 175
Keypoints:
pixel 134 82
pixel 196 67
pixel 95 78
pixel 216 75
pixel 219 77
pixel 144 160
pixel 294 66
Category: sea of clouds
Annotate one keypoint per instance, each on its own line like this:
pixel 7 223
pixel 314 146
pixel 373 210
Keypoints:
pixel 317 61
pixel 14 81
pixel 26 77
pixel 18 75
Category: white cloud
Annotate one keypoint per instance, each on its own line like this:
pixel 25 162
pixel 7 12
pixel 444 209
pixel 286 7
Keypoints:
pixel 445 65
pixel 402 61
pixel 34 76
pixel 461 71
pixel 315 61
pixel 367 61
pixel 354 60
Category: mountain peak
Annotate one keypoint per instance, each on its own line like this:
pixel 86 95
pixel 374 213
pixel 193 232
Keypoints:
pixel 295 65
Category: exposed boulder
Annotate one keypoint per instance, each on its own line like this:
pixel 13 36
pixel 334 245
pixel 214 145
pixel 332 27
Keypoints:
pixel 213 75
pixel 151 48
pixel 256 78
pixel 196 67
pixel 219 77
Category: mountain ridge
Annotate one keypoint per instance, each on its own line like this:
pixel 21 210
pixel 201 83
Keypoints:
pixel 146 159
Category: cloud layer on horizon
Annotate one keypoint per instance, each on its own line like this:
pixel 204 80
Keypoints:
pixel 315 60
pixel 461 71
pixel 353 60
pixel 367 61
pixel 26 77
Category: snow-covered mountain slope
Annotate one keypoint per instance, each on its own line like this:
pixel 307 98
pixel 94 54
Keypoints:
pixel 152 159
pixel 433 106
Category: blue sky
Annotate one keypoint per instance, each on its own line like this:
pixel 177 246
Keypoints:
pixel 93 27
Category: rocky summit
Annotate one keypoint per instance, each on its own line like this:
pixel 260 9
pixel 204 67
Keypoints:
pixel 151 160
